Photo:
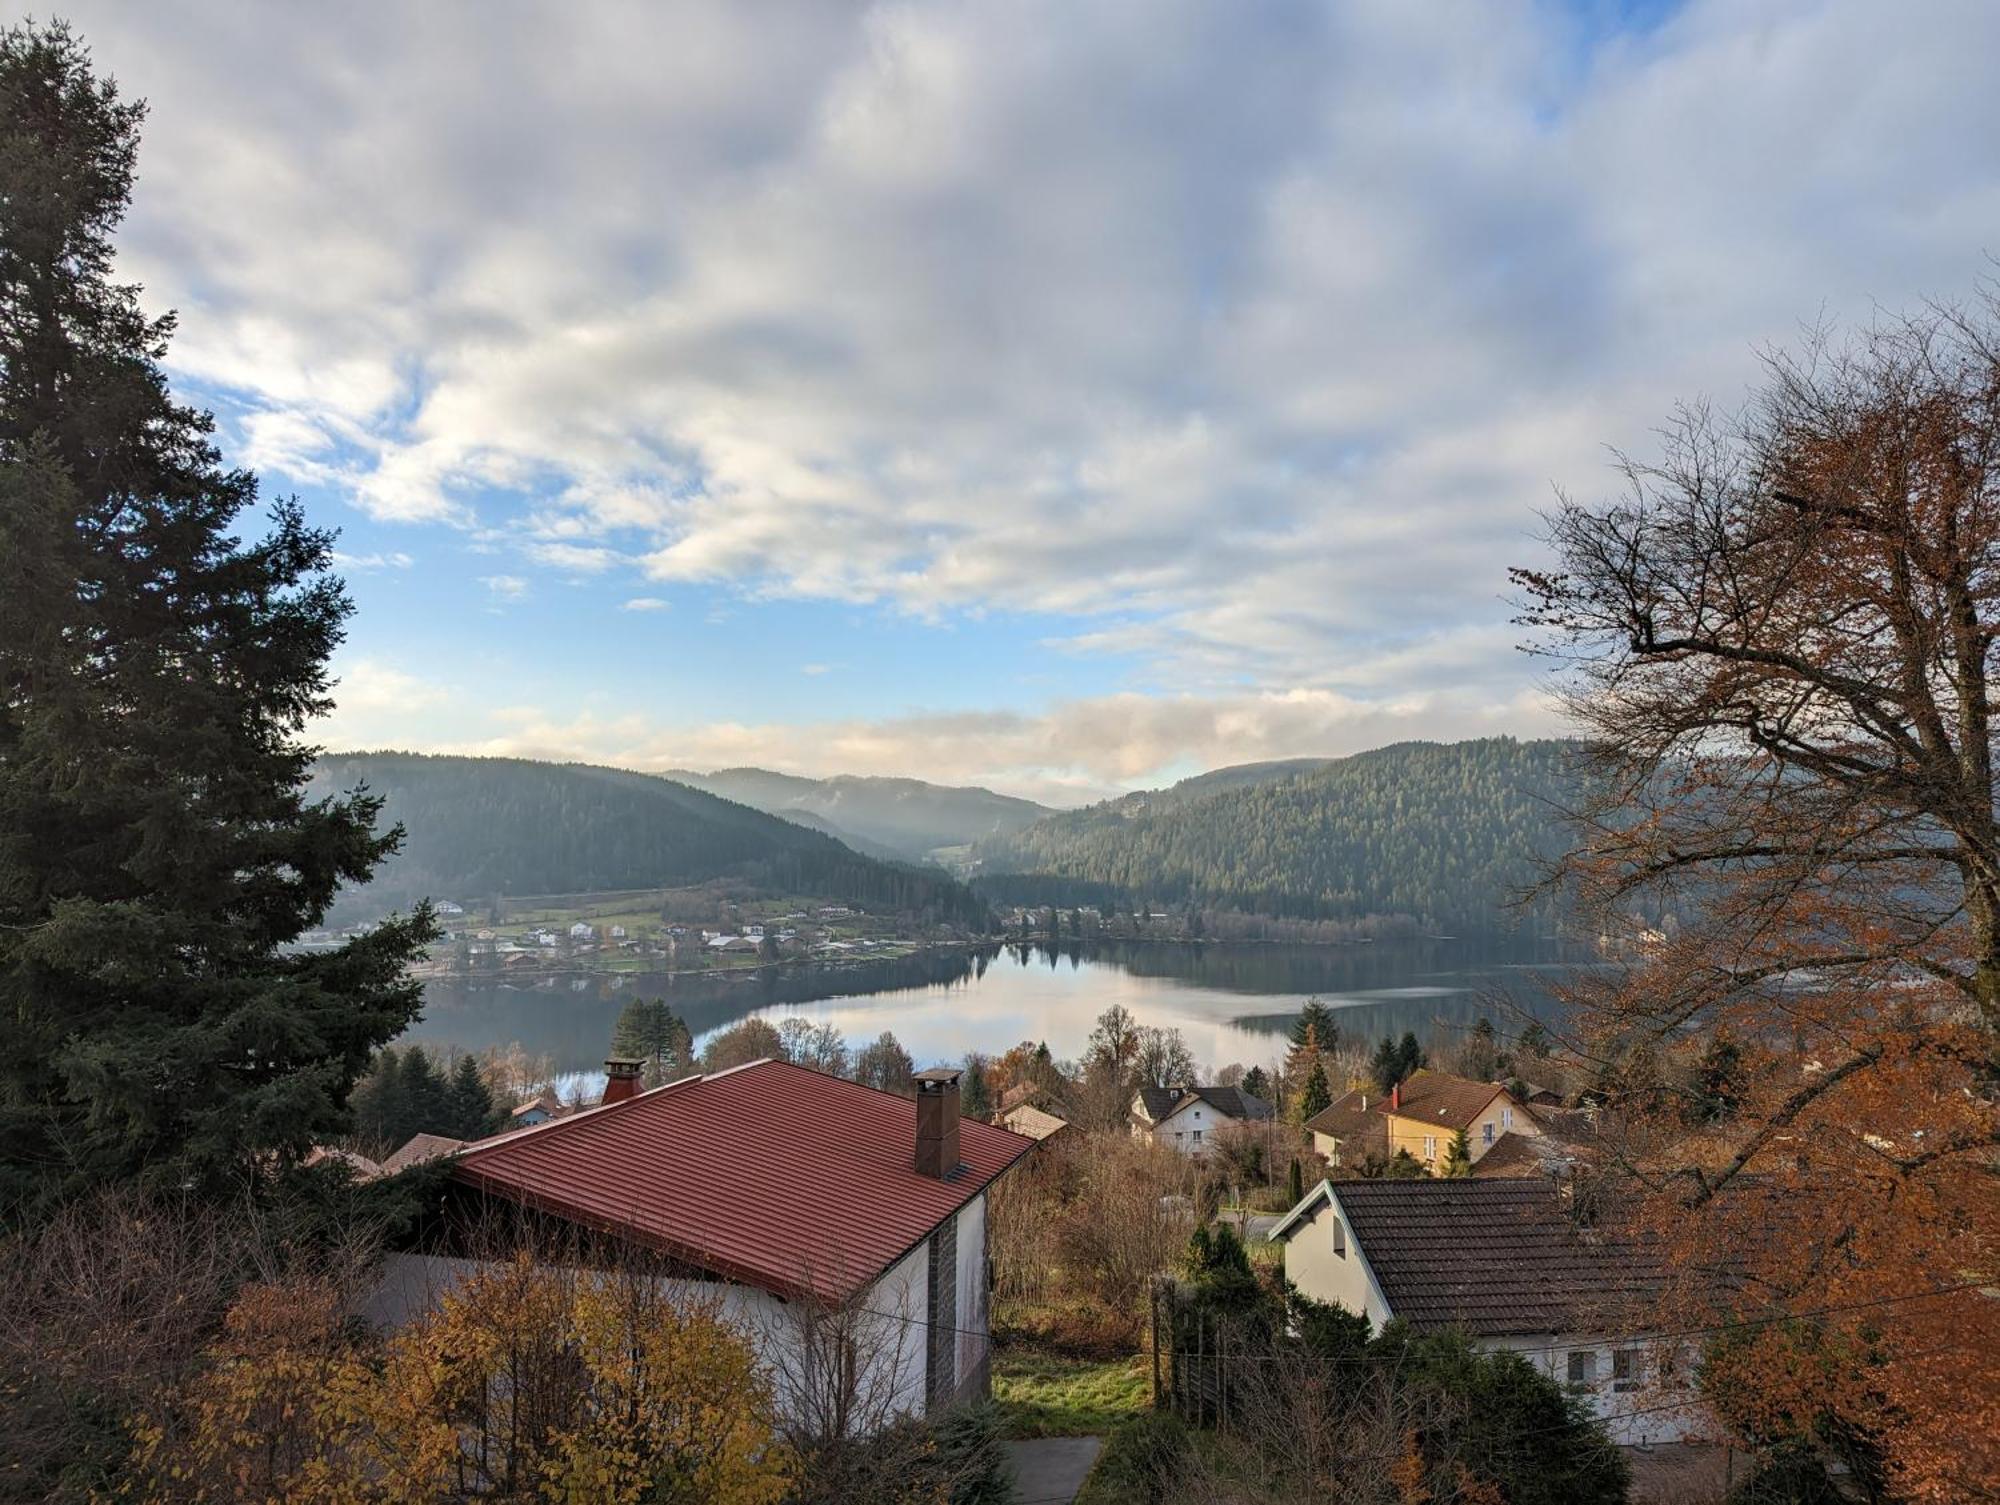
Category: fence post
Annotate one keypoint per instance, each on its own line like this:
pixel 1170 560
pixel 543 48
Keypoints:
pixel 1201 1369
pixel 1156 1343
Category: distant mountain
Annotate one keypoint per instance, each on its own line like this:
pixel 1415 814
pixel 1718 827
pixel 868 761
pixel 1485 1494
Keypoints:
pixel 476 827
pixel 1443 833
pixel 861 844
pixel 905 816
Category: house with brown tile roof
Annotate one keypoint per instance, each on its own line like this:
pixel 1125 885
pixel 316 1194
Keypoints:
pixel 540 1108
pixel 1034 1122
pixel 1507 1262
pixel 419 1149
pixel 1188 1118
pixel 1419 1115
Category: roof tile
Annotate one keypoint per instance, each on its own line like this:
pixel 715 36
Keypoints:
pixel 770 1174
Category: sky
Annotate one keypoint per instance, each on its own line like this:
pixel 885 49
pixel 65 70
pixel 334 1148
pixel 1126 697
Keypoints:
pixel 1058 395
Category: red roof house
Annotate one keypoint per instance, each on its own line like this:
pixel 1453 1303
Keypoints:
pixel 790 1196
pixel 769 1174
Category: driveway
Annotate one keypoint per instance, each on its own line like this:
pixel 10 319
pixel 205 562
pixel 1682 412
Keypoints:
pixel 1050 1470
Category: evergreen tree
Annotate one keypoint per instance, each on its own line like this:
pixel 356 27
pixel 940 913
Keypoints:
pixel 1534 1041
pixel 473 1113
pixel 156 852
pixel 648 1030
pixel 1297 1183
pixel 1318 1095
pixel 1717 1088
pixel 1386 1065
pixel 975 1101
pixel 1410 1057
pixel 1257 1083
pixel 1458 1155
pixel 378 1102
pixel 1316 1021
pixel 425 1095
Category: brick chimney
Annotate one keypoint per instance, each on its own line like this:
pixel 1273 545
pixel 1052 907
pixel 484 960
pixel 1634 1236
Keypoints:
pixel 621 1078
pixel 937 1122
pixel 1396 1098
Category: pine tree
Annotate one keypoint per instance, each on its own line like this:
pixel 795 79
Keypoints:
pixel 974 1098
pixel 1458 1155
pixel 473 1114
pixel 1534 1041
pixel 648 1030
pixel 377 1104
pixel 1297 1185
pixel 1316 1019
pixel 1318 1094
pixel 1386 1065
pixel 1257 1083
pixel 1410 1057
pixel 425 1097
pixel 155 677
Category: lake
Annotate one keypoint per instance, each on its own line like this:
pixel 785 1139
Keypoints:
pixel 1231 1002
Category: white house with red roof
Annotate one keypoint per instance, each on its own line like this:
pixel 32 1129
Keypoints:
pixel 793 1198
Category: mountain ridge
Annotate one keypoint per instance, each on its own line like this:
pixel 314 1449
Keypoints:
pixel 476 827
pixel 1440 833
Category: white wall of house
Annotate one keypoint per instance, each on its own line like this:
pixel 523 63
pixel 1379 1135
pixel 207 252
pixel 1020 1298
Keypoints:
pixel 973 1316
pixel 1323 1260
pixel 1191 1129
pixel 1645 1392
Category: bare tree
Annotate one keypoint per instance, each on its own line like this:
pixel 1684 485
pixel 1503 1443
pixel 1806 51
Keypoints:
pixel 1779 643
pixel 1162 1058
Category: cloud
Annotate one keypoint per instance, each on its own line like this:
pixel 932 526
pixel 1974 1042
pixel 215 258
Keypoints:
pixel 391 559
pixel 1242 342
pixel 505 587
pixel 1075 751
pixel 646 603
pixel 813 670
pixel 575 559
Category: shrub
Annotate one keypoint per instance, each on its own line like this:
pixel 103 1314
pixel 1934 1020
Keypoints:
pixel 1141 1463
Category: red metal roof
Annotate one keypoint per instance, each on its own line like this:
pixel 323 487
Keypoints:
pixel 770 1174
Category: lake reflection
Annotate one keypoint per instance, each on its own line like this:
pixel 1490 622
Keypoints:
pixel 1233 1003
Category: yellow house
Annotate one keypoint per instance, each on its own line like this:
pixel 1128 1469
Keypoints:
pixel 1420 1115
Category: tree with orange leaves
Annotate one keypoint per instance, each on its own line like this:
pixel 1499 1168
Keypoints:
pixel 1779 644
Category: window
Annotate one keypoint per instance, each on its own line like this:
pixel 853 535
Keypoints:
pixel 1179 1136
pixel 1197 1136
pixel 1430 1147
pixel 1583 1366
pixel 1506 1118
pixel 1626 1366
pixel 1339 1237
pixel 1486 1131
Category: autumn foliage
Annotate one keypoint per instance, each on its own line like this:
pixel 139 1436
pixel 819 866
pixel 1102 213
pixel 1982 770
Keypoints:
pixel 1779 643
pixel 525 1382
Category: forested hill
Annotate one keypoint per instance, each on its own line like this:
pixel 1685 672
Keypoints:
pixel 1442 833
pixel 477 827
pixel 907 816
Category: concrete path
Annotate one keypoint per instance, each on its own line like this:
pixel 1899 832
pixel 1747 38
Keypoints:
pixel 1050 1470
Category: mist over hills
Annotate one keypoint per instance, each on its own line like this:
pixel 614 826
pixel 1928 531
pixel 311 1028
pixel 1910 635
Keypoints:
pixel 1444 834
pixel 904 816
pixel 479 827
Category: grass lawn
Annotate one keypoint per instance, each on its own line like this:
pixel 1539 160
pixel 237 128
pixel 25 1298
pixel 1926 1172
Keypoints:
pixel 1048 1395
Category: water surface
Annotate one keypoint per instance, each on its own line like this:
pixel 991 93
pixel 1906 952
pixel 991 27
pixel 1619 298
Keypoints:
pixel 1232 1002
